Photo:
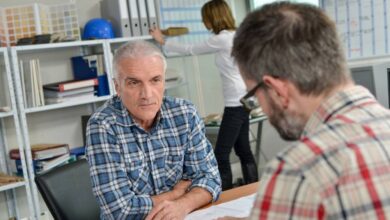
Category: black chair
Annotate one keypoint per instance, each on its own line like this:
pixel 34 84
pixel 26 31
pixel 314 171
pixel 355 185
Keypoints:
pixel 67 192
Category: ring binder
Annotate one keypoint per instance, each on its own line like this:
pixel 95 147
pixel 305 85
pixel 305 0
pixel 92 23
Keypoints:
pixel 151 12
pixel 116 12
pixel 143 17
pixel 134 18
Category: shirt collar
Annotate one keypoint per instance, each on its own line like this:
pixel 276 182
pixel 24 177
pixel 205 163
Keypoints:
pixel 336 104
pixel 128 120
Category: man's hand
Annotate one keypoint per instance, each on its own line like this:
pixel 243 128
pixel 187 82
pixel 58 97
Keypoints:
pixel 168 210
pixel 178 191
pixel 180 207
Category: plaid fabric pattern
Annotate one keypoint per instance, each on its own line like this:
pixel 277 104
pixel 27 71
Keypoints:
pixel 339 169
pixel 129 165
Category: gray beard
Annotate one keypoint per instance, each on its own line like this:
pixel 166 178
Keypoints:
pixel 289 127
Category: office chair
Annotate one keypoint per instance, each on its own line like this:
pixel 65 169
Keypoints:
pixel 67 192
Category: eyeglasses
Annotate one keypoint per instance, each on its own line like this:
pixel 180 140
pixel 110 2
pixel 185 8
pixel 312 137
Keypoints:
pixel 248 101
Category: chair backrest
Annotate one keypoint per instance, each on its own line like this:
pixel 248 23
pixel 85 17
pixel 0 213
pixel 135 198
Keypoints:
pixel 67 191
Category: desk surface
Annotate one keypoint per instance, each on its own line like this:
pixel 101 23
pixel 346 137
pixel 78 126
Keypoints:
pixel 235 193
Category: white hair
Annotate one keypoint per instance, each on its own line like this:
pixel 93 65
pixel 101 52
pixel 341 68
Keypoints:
pixel 135 49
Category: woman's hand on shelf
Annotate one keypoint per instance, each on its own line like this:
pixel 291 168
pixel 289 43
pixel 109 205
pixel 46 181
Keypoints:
pixel 157 35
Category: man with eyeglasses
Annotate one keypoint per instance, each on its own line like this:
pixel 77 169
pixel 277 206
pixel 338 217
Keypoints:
pixel 147 152
pixel 338 164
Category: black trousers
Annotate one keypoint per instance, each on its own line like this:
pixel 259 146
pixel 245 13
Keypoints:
pixel 233 132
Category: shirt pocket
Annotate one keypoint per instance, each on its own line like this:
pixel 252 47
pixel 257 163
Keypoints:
pixel 136 172
pixel 173 169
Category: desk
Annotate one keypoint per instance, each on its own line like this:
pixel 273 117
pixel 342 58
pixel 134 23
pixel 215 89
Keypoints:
pixel 213 129
pixel 235 193
pixel 221 207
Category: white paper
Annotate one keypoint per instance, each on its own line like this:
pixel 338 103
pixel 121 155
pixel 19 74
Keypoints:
pixel 236 208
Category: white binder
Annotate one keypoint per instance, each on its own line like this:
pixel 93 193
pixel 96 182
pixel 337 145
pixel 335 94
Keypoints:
pixel 152 18
pixel 134 18
pixel 143 17
pixel 116 12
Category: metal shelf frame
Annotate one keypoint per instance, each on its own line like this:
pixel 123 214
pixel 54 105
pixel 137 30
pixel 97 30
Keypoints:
pixel 25 111
pixel 9 189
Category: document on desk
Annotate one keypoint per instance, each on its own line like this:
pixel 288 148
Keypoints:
pixel 236 208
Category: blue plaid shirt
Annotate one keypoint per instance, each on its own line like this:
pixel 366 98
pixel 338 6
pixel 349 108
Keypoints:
pixel 129 165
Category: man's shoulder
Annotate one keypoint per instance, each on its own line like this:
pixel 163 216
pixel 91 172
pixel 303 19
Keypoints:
pixel 309 153
pixel 325 150
pixel 109 111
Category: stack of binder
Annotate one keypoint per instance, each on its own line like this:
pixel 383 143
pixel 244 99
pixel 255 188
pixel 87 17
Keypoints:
pixel 130 17
pixel 45 157
pixel 72 90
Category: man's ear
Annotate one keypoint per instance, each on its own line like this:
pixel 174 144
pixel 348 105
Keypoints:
pixel 117 87
pixel 280 88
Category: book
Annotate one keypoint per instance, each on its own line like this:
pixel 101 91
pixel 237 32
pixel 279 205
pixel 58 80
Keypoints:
pixel 69 93
pixel 71 84
pixel 7 179
pixel 39 83
pixel 45 165
pixel 42 151
pixel 79 97
pixel 4 91
pixel 31 81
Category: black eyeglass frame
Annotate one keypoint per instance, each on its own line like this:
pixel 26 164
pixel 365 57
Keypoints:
pixel 245 101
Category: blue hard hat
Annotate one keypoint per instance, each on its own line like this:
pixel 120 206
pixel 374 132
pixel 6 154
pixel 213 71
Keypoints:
pixel 98 28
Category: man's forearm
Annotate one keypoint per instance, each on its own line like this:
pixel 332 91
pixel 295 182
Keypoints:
pixel 179 208
pixel 194 199
pixel 170 196
pixel 179 190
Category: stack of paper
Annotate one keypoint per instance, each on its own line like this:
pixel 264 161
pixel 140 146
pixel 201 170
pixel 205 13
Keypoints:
pixel 238 208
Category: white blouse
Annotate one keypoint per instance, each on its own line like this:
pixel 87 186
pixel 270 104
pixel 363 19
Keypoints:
pixel 221 44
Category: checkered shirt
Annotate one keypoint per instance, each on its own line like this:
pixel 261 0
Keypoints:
pixel 129 165
pixel 340 167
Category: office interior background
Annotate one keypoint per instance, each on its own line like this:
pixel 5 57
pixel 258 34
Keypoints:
pixel 202 83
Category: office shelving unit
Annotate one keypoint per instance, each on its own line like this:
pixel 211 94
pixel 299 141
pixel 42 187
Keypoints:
pixel 60 53
pixel 12 116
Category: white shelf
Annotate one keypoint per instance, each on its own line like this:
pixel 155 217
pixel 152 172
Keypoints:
pixel 78 43
pixel 58 45
pixel 126 39
pixel 66 104
pixel 6 114
pixel 12 186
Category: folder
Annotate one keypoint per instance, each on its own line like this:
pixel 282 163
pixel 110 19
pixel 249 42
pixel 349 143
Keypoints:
pixel 151 11
pixel 116 12
pixel 175 31
pixel 143 17
pixel 134 18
